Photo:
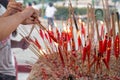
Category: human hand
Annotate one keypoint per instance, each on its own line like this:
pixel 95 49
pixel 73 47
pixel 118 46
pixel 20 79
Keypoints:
pixel 31 16
pixel 12 8
pixel 23 44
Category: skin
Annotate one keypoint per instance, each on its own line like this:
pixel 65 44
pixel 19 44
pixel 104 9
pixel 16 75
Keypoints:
pixel 15 16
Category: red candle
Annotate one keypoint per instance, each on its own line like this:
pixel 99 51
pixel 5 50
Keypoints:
pixel 108 50
pixel 50 39
pixel 41 34
pixel 58 34
pixel 88 50
pixel 101 46
pixel 68 37
pixel 79 41
pixel 37 43
pixel 105 44
pixel 69 34
pixel 116 47
pixel 46 35
pixel 84 54
pixel 51 35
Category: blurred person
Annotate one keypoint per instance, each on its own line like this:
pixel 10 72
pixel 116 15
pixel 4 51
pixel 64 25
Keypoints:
pixel 29 4
pixel 49 13
pixel 9 21
pixel 34 3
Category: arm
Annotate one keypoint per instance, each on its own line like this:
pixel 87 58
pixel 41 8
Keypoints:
pixel 9 24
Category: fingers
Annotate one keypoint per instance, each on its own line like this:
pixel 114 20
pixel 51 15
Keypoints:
pixel 28 12
pixel 14 3
pixel 30 20
pixel 18 9
pixel 15 6
pixel 24 44
pixel 31 16
pixel 36 14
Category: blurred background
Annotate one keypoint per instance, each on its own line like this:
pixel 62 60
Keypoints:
pixel 79 5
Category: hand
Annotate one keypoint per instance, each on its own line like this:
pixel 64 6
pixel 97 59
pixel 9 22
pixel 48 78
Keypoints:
pixel 23 44
pixel 12 8
pixel 30 20
pixel 31 16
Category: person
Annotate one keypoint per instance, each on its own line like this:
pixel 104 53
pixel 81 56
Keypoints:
pixel 9 21
pixel 50 12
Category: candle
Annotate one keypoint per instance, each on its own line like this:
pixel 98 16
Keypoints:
pixel 101 46
pixel 84 53
pixel 41 34
pixel 116 46
pixel 108 50
pixel 105 43
pixel 51 35
pixel 37 44
pixel 79 40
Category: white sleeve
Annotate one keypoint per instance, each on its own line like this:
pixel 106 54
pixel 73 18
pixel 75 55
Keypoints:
pixel 55 9
pixel 2 10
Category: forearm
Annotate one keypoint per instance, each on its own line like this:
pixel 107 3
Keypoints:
pixel 9 24
pixel 5 14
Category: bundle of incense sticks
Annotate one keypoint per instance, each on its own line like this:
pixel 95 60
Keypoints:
pixel 62 57
pixel 78 63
